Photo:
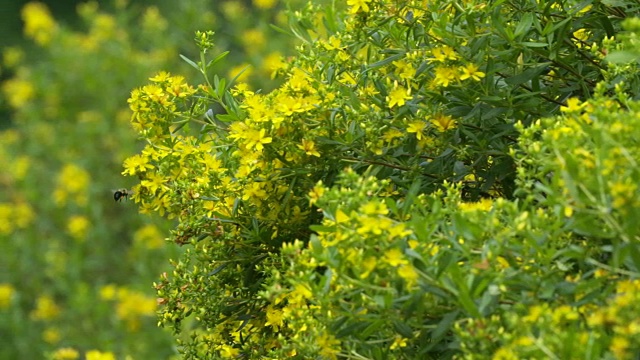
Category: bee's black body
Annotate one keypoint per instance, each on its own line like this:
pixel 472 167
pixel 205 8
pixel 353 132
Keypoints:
pixel 119 194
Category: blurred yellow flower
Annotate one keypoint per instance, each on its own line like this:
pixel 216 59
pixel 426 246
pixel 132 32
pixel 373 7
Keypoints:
pixel 149 237
pixel 132 306
pixel 6 294
pixel 236 71
pixel 38 23
pixel 46 309
pixel 77 227
pixel 394 257
pixel 6 219
pixel 108 292
pixel 18 92
pixel 264 4
pixel 12 56
pixel 408 274
pixel 482 205
pixel 253 40
pixel 51 335
pixel 73 184
pixel 65 354
pixel 99 355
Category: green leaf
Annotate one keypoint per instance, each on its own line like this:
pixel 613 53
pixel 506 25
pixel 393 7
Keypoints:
pixel 217 59
pixel 623 57
pixel 527 75
pixel 524 25
pixel 403 329
pixel 385 61
pixel 190 62
pixel 444 325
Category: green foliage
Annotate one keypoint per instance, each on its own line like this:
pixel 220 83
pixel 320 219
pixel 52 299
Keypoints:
pixel 77 268
pixel 409 191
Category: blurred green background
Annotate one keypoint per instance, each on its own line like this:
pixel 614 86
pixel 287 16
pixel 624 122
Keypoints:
pixel 77 268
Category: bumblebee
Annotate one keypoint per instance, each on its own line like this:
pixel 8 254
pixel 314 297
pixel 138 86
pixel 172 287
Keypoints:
pixel 119 194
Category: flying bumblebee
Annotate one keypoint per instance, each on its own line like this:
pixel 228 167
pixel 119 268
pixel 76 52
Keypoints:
pixel 119 194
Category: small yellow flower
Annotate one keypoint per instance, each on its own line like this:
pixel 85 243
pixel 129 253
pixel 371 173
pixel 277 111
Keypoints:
pixel 316 193
pixel 264 4
pixel 416 127
pixel 51 335
pixel 573 105
pixel 471 72
pixel 46 309
pixel 444 75
pixel 77 227
pixel 408 274
pixel 395 257
pixel 398 96
pixel 443 122
pixel 275 318
pixel 358 5
pixel 66 354
pixel 398 342
pixel 99 355
pixel 309 148
pixel 39 25
pixel 6 294
pixel 443 53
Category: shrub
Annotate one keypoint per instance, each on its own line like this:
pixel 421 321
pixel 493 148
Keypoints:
pixel 399 195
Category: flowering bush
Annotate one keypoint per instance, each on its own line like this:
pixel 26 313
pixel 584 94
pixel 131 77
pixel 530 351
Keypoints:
pixel 409 191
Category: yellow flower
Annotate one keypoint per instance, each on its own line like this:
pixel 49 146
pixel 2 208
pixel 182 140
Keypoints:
pixel 6 294
pixel 309 148
pixel 445 75
pixel 46 309
pixel 253 40
pixel 228 351
pixel 416 126
pixel 73 182
pixel 242 71
pixel 398 342
pixel 471 72
pixel 395 257
pixel 619 347
pixel 99 355
pixel 51 335
pixel 132 306
pixel 408 274
pixel 6 218
pixel 18 92
pixel 398 96
pixel 274 318
pixel 443 53
pixel 256 139
pixel 264 4
pixel 12 56
pixel 443 122
pixel 358 5
pixel 482 205
pixel 369 264
pixel 108 292
pixel 77 227
pixel 149 236
pixel 38 23
pixel 65 354
pixel 573 105
pixel 316 193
